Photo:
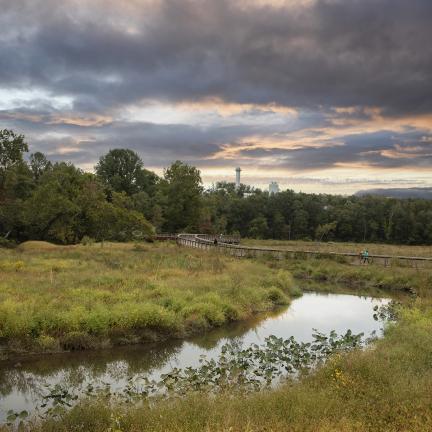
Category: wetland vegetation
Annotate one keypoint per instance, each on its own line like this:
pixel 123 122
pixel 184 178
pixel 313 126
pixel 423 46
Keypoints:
pixel 383 387
pixel 243 356
pixel 77 297
pixel 344 247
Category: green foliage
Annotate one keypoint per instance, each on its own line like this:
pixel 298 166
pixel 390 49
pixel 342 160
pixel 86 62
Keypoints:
pixel 13 417
pixel 292 216
pixel 47 343
pixel 324 230
pixel 277 296
pixel 52 211
pixel 237 370
pixel 67 204
pixel 183 191
pixel 5 243
pixel 258 228
pixel 79 297
pixel 39 164
pixel 15 182
pixel 122 171
pixel 386 388
pixel 329 273
pixel 58 202
pixel 12 148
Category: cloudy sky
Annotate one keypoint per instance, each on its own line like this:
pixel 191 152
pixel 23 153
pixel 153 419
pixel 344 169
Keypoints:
pixel 320 95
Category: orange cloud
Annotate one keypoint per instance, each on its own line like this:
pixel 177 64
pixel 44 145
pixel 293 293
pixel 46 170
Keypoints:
pixel 84 121
pixel 226 109
pixel 34 118
pixel 375 121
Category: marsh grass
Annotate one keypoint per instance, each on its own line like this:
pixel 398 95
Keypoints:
pixel 344 247
pixel 385 388
pixel 86 296
pixel 329 275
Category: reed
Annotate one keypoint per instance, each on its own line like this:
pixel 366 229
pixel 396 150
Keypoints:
pixel 78 297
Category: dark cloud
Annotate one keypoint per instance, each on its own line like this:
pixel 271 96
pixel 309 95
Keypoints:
pixel 334 53
pixel 385 149
pixel 158 145
pixel 94 59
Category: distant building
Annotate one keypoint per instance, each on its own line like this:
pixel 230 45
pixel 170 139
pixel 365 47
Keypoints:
pixel 274 188
pixel 237 183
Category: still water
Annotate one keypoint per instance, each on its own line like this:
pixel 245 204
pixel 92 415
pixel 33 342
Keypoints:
pixel 23 384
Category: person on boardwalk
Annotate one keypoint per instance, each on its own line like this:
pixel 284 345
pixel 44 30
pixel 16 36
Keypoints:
pixel 364 256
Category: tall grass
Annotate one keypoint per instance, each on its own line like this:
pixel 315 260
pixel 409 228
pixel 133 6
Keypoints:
pixel 385 388
pixel 80 297
pixel 372 277
pixel 344 247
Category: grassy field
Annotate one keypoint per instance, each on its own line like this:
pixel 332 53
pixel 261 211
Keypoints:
pixel 373 248
pixel 386 387
pixel 78 297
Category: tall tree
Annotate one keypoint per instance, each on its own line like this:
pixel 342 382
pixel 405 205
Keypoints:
pixel 15 182
pixel 39 164
pixel 52 213
pixel 184 196
pixel 120 169
pixel 258 228
pixel 12 149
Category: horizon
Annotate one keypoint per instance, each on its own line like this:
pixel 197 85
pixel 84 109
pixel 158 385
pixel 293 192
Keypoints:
pixel 322 96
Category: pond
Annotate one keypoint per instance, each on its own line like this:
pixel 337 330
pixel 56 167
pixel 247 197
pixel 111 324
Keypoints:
pixel 23 384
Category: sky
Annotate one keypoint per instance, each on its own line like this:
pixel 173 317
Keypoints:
pixel 328 96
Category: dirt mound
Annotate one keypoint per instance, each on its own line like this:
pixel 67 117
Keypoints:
pixel 37 245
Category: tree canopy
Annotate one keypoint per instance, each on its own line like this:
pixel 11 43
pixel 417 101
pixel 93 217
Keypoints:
pixel 122 170
pixel 183 189
pixel 123 200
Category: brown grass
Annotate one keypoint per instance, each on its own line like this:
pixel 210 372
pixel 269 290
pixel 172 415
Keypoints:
pixel 373 248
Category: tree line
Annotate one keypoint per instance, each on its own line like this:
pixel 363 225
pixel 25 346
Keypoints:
pixel 122 201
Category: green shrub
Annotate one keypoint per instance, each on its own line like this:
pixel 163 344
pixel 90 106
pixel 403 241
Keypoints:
pixel 277 296
pixel 211 313
pixel 7 244
pixel 284 280
pixel 47 343
pixel 295 291
pixel 231 312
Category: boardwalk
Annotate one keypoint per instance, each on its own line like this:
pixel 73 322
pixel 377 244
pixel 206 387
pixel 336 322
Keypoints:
pixel 231 246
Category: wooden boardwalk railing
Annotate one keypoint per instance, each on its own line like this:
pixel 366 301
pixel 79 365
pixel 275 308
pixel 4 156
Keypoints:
pixel 230 245
pixel 165 236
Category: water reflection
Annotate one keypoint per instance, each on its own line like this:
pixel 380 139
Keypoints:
pixel 22 385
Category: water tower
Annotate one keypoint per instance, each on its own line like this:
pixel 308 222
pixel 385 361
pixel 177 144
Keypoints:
pixel 273 188
pixel 237 183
